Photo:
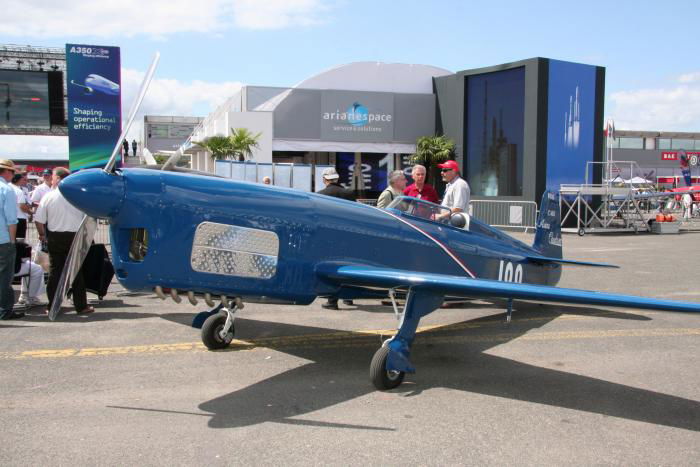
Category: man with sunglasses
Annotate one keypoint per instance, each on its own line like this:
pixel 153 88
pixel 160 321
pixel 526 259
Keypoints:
pixel 457 192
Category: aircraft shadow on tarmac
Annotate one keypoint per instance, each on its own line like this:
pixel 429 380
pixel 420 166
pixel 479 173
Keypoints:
pixel 452 357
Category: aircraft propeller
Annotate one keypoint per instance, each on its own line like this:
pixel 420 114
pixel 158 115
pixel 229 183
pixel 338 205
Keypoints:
pixel 86 232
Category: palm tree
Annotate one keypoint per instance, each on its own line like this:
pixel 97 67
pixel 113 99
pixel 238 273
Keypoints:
pixel 220 147
pixel 432 150
pixel 243 141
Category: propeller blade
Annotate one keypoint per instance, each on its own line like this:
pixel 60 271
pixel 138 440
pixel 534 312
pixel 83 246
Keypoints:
pixel 132 114
pixel 172 160
pixel 78 251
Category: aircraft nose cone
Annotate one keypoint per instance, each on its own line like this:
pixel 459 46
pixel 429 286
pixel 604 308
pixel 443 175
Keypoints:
pixel 95 192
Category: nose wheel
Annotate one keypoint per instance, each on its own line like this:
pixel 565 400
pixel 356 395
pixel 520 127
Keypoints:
pixel 218 330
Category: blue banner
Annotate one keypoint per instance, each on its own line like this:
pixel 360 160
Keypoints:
pixel 94 103
pixel 570 122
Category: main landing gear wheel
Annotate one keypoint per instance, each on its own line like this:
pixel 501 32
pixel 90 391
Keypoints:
pixel 581 232
pixel 382 378
pixel 212 332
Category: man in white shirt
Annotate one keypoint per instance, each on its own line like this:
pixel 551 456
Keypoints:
pixel 40 191
pixel 457 192
pixel 57 221
pixel 24 207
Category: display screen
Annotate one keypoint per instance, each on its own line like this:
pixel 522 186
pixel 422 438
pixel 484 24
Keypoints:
pixel 495 104
pixel 24 99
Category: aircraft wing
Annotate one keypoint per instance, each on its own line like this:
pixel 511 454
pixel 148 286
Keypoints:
pixel 467 287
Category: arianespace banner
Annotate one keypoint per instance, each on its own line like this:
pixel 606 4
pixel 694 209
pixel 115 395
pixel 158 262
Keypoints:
pixel 94 103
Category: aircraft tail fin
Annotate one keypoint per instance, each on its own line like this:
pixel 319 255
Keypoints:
pixel 548 233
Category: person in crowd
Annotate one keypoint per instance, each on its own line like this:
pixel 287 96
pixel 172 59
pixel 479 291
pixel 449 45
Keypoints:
pixel 267 180
pixel 134 146
pixel 43 188
pixel 420 189
pixel 397 184
pixel 125 146
pixel 333 188
pixel 32 286
pixel 57 221
pixel 687 201
pixel 24 206
pixel 8 231
pixel 457 192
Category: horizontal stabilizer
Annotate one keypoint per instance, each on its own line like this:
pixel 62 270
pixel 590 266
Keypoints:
pixel 569 262
pixel 466 287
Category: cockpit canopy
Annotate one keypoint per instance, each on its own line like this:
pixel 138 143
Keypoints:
pixel 430 211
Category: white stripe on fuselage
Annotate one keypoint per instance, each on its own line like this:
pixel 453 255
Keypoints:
pixel 435 240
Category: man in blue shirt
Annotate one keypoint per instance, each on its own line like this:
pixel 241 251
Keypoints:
pixel 8 230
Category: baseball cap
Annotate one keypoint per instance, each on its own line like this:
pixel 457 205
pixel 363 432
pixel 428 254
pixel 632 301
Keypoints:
pixel 47 172
pixel 330 174
pixel 449 165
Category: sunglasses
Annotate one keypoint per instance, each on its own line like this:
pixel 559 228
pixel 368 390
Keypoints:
pixel 445 170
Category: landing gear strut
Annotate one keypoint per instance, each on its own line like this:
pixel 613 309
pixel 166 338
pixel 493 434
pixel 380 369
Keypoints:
pixel 392 361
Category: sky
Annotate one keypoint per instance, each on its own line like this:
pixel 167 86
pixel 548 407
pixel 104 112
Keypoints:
pixel 210 47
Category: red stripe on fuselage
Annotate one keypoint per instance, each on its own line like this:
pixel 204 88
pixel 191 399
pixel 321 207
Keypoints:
pixel 444 247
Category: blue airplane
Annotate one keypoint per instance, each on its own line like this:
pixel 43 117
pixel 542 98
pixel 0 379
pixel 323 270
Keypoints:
pixel 205 236
pixel 99 83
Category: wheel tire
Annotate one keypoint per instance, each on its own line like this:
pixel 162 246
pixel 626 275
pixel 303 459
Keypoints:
pixel 211 330
pixel 581 232
pixel 381 378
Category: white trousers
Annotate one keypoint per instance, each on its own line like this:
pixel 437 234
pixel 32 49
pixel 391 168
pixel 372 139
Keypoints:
pixel 36 279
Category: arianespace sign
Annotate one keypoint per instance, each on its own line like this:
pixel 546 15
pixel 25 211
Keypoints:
pixel 357 116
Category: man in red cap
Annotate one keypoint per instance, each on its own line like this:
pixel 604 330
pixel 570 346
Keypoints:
pixel 457 192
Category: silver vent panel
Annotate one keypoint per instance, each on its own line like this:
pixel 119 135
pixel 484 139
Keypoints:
pixel 234 251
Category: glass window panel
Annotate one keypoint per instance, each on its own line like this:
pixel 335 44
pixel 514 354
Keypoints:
pixel 495 132
pixel 663 143
pixel 631 143
pixel 678 143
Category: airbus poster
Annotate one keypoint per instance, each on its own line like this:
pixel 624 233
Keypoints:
pixel 94 104
pixel 570 116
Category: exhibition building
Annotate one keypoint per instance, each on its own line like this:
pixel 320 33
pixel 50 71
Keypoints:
pixel 519 127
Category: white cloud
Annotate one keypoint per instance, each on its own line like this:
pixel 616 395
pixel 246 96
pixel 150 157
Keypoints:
pixel 172 97
pixel 277 14
pixel 154 18
pixel 33 147
pixel 689 77
pixel 164 97
pixel 673 108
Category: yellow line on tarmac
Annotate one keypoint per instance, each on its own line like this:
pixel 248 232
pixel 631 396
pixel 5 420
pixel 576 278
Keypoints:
pixel 347 339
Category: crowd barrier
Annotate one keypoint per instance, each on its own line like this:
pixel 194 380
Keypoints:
pixel 101 234
pixel 505 214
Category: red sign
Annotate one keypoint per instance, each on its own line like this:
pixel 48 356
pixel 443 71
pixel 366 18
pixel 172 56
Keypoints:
pixel 669 156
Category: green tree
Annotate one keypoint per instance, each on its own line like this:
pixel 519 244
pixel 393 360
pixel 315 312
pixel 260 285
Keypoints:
pixel 432 150
pixel 243 141
pixel 220 147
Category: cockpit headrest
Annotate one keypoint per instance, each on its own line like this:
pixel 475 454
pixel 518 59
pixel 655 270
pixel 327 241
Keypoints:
pixel 458 220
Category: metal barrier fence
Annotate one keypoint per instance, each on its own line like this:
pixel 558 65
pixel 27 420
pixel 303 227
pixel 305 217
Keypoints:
pixel 508 214
pixel 101 234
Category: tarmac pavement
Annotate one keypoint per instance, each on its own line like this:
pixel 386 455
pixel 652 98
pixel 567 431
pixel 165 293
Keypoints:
pixel 132 383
